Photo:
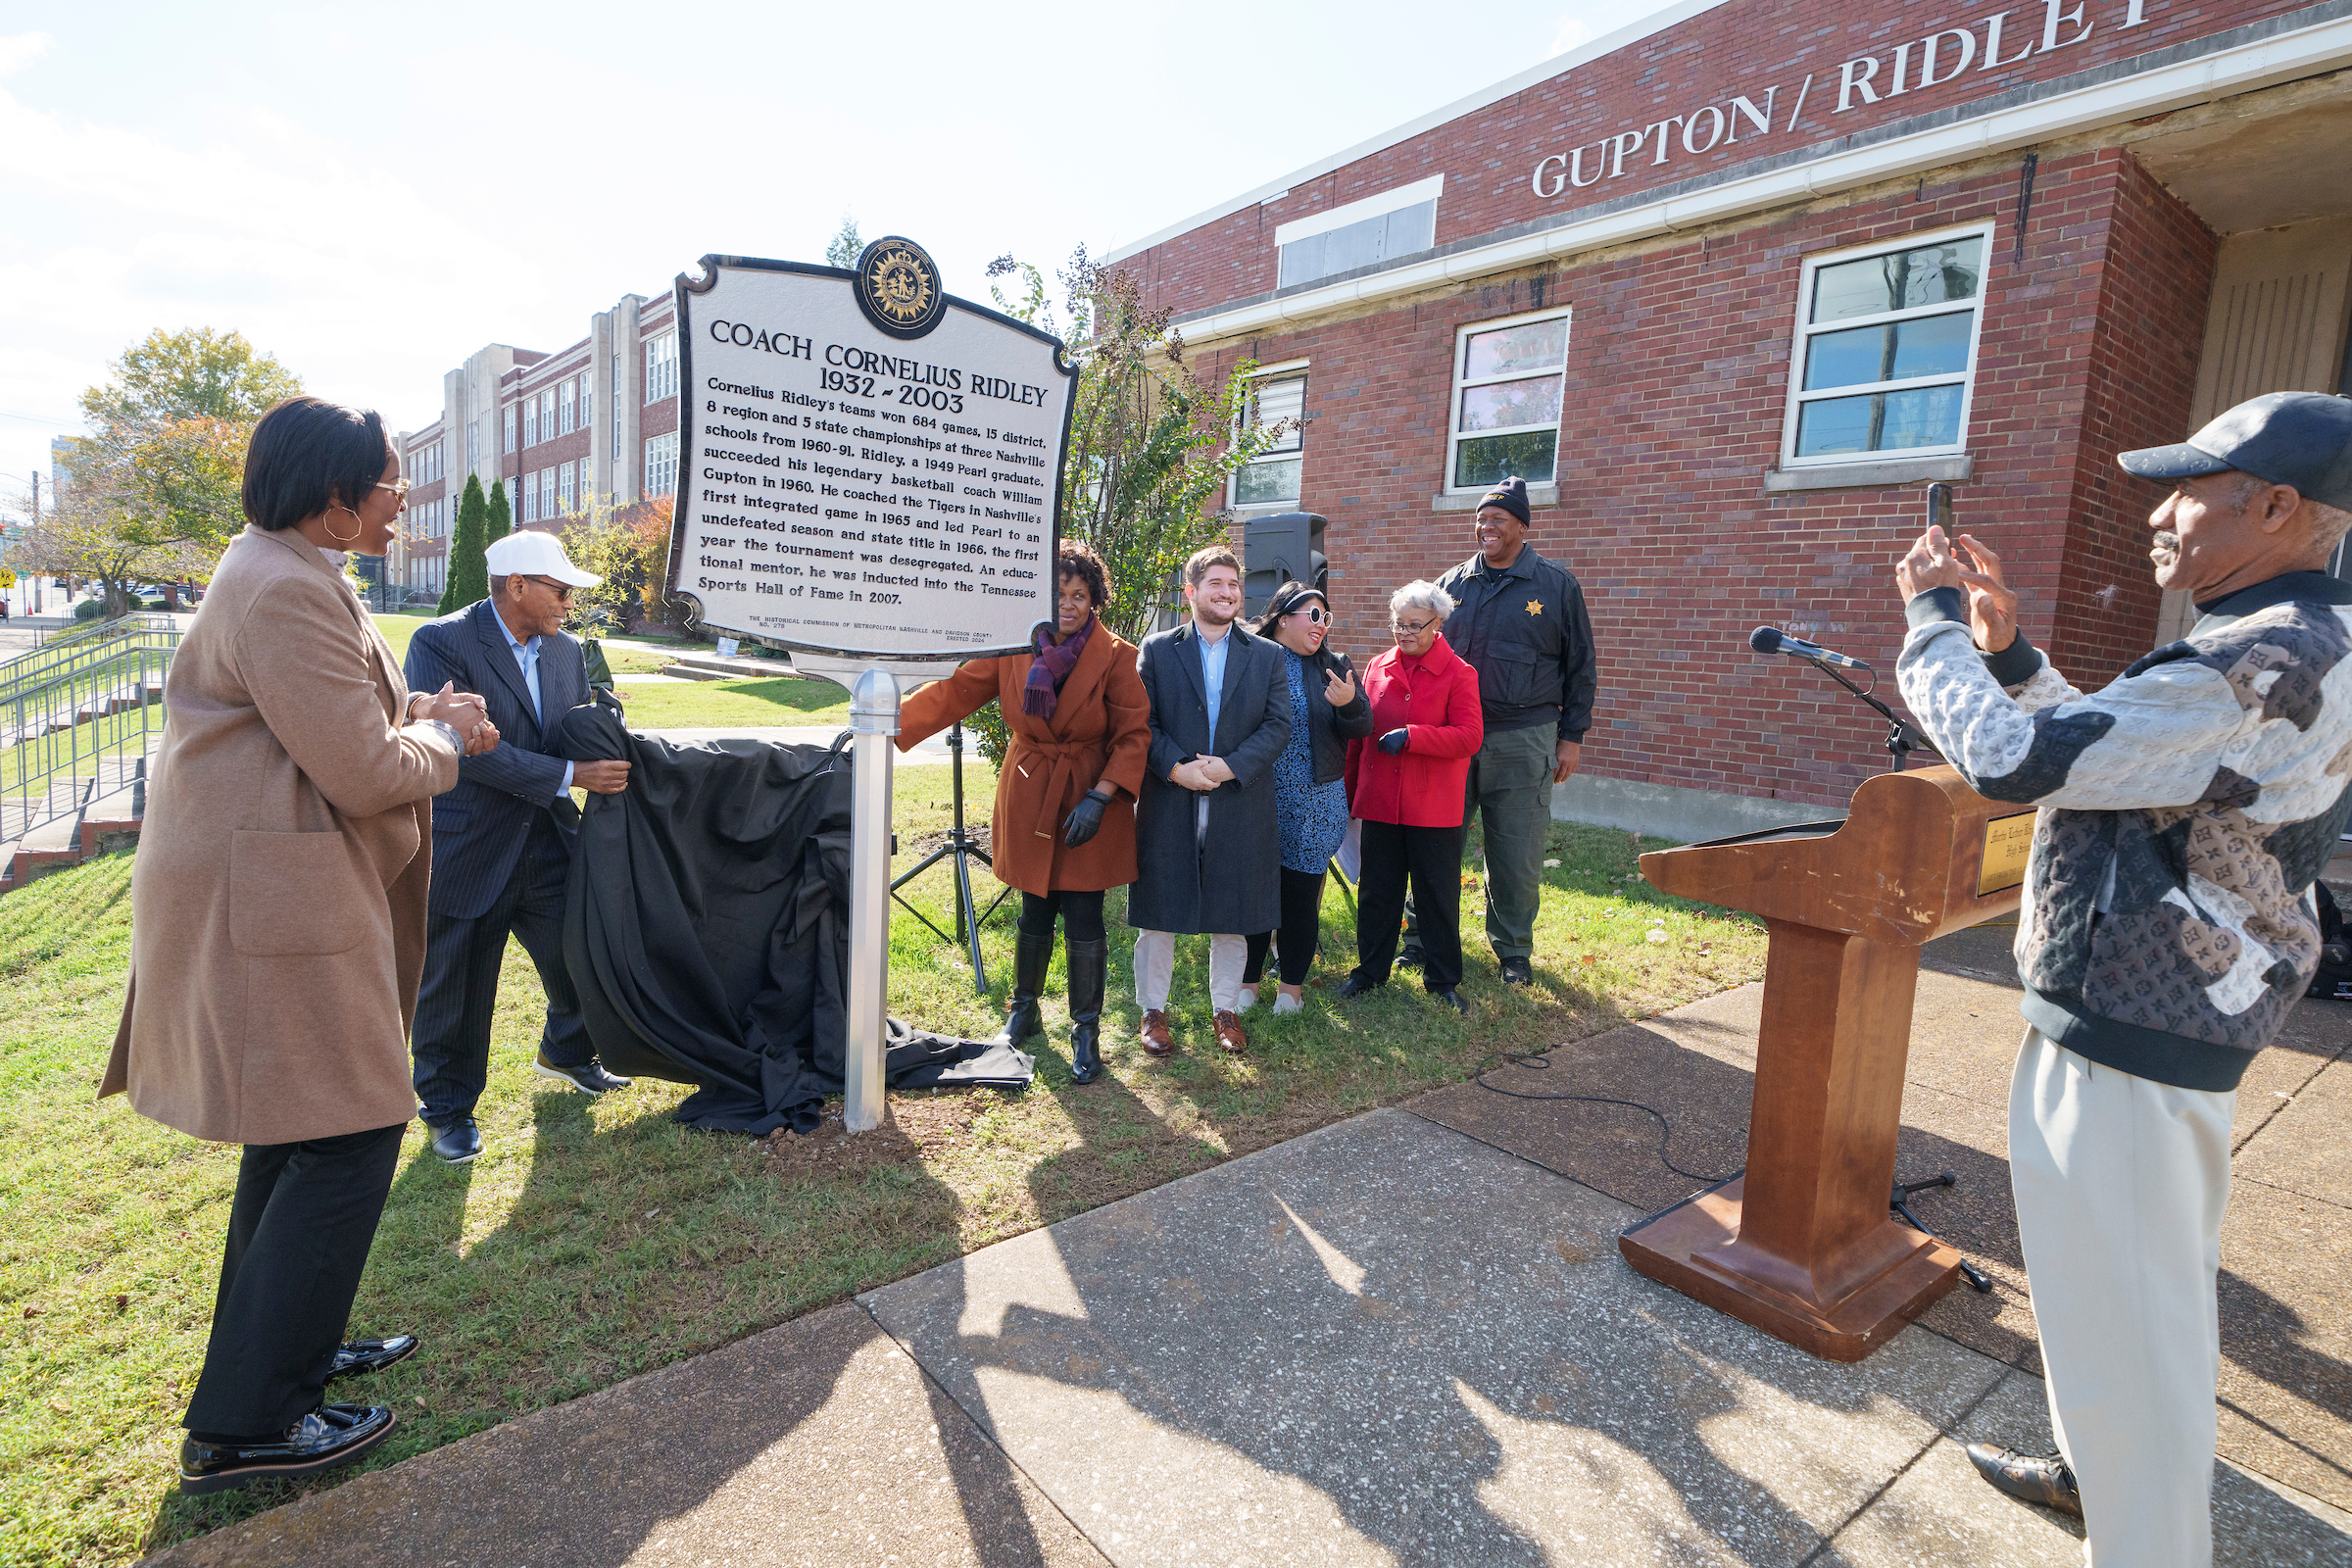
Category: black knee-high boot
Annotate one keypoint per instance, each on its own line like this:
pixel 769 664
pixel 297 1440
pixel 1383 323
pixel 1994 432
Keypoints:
pixel 1032 957
pixel 1090 962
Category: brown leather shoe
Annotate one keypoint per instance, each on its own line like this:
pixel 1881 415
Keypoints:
pixel 2028 1477
pixel 1155 1034
pixel 1230 1033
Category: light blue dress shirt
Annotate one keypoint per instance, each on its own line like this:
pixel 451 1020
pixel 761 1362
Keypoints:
pixel 1213 674
pixel 526 655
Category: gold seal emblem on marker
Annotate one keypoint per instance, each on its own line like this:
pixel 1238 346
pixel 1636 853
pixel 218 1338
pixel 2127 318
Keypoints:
pixel 897 287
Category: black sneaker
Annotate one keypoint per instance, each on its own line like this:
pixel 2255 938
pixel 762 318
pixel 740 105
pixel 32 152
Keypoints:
pixel 1446 996
pixel 2042 1478
pixel 458 1143
pixel 1517 972
pixel 589 1078
pixel 331 1435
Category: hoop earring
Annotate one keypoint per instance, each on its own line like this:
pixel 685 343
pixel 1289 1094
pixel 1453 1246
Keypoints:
pixel 339 538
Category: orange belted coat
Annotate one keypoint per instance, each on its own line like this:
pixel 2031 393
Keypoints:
pixel 1100 732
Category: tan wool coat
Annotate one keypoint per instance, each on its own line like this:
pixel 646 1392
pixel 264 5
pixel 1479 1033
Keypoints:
pixel 278 904
pixel 1099 734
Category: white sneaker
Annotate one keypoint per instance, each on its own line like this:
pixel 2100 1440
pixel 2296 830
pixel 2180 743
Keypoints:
pixel 1284 1003
pixel 1247 999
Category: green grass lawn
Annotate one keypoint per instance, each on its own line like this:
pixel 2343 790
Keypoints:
pixel 736 703
pixel 597 1240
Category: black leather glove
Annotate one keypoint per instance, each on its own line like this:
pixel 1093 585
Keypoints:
pixel 1396 741
pixel 1084 821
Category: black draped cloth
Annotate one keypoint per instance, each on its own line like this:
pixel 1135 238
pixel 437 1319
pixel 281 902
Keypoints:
pixel 707 929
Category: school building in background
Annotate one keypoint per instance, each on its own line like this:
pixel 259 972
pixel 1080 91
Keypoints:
pixel 1731 288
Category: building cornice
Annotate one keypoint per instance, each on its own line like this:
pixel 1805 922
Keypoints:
pixel 2263 54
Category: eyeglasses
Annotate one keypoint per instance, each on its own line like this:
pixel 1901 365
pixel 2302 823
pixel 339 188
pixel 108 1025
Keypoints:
pixel 1313 613
pixel 1410 628
pixel 399 487
pixel 562 590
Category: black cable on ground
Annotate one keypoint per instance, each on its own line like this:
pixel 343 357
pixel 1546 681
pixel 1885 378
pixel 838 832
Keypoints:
pixel 1536 1061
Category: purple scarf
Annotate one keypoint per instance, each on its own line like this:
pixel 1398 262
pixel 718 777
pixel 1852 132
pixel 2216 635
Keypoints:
pixel 1051 668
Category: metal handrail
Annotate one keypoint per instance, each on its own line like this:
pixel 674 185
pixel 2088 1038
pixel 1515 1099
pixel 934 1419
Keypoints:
pixel 81 725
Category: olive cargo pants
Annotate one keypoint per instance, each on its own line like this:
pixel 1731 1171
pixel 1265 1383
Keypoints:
pixel 1511 787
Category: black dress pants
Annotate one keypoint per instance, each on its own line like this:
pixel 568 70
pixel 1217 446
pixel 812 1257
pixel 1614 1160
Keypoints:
pixel 1432 858
pixel 299 1230
pixel 1301 928
pixel 450 1038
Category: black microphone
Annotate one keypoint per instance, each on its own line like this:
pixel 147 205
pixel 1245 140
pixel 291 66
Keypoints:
pixel 1773 640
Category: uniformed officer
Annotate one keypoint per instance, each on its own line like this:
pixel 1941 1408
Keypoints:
pixel 1519 620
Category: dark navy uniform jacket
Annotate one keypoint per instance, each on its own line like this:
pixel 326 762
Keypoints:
pixel 1525 631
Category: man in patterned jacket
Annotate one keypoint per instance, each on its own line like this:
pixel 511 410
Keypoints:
pixel 2168 925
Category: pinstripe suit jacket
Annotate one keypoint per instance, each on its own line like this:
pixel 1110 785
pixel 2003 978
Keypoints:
pixel 480 826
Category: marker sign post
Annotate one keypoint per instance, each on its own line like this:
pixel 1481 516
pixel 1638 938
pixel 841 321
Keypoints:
pixel 870 474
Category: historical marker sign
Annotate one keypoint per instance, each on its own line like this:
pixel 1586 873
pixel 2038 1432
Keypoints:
pixel 868 466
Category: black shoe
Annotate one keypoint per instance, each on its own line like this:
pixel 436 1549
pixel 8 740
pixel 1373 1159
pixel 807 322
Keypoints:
pixel 1355 985
pixel 1410 957
pixel 331 1435
pixel 1517 972
pixel 362 1356
pixel 456 1142
pixel 1032 956
pixel 589 1078
pixel 1451 998
pixel 2042 1478
pixel 1090 964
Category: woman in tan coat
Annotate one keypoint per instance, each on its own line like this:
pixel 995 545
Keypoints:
pixel 1064 826
pixel 277 931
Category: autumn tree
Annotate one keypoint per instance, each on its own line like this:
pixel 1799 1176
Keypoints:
pixel 196 373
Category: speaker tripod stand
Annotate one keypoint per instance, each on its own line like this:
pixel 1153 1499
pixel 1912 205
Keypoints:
pixel 961 848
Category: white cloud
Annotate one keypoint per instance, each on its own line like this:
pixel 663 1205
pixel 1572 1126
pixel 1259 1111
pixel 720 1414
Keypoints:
pixel 21 49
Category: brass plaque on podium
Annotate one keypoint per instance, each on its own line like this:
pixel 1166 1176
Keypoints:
pixel 2006 841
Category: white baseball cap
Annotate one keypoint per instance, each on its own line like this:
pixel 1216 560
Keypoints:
pixel 528 553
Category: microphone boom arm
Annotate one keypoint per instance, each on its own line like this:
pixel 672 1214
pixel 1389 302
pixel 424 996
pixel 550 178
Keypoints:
pixel 1902 737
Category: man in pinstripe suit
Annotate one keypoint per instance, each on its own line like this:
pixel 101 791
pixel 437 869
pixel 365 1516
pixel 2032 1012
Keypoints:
pixel 501 838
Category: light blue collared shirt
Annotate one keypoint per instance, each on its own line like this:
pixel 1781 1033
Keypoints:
pixel 526 655
pixel 1213 674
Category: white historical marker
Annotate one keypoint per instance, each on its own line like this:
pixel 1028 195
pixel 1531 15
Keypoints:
pixel 869 467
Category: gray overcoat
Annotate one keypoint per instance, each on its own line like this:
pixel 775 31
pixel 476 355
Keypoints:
pixel 1229 879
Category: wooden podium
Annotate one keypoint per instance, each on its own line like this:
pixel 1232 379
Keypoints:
pixel 1802 1244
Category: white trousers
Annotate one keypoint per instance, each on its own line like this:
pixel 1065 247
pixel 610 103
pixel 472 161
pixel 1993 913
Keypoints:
pixel 2120 1183
pixel 1155 969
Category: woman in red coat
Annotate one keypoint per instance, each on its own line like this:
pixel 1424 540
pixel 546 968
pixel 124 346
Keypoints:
pixel 1407 787
pixel 1080 729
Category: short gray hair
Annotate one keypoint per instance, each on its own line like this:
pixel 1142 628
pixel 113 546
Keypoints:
pixel 1419 594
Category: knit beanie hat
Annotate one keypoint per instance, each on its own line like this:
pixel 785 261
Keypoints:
pixel 1511 496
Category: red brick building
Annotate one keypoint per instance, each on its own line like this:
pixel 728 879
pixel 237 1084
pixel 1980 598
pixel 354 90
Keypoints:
pixel 1729 288
pixel 591 425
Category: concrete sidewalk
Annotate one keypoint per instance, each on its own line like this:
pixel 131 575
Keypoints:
pixel 1409 1339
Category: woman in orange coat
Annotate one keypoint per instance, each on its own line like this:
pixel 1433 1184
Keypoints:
pixel 1065 826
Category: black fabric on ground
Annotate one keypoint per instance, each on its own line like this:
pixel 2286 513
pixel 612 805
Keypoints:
pixel 707 929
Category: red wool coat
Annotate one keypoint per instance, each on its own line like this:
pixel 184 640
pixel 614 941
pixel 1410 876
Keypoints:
pixel 1436 698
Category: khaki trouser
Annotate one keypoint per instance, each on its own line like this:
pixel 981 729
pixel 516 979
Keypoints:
pixel 2120 1183
pixel 1155 969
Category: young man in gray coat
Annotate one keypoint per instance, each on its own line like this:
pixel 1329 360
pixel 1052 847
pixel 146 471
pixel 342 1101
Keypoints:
pixel 1208 844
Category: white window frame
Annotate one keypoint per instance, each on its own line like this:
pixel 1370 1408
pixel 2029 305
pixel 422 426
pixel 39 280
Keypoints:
pixel 547 414
pixel 662 464
pixel 531 420
pixel 564 475
pixel 530 496
pixel 510 426
pixel 1453 404
pixel 1298 371
pixel 662 366
pixel 1803 331
pixel 567 405
pixel 587 400
pixel 587 483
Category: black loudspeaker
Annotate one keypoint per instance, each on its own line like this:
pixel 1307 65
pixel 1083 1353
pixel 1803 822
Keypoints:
pixel 1287 547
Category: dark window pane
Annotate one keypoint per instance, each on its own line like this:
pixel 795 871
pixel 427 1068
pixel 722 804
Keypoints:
pixel 1504 405
pixel 1260 482
pixel 1833 425
pixel 1491 459
pixel 1899 279
pixel 1933 345
pixel 1882 421
pixel 1856 356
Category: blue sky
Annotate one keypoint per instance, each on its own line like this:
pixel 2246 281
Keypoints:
pixel 371 200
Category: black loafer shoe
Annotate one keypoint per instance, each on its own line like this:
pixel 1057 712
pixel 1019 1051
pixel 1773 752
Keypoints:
pixel 2042 1478
pixel 1410 957
pixel 1517 972
pixel 331 1435
pixel 362 1356
pixel 1357 986
pixel 590 1078
pixel 1450 997
pixel 459 1142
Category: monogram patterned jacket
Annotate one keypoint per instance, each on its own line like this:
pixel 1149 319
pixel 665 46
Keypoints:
pixel 2186 809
